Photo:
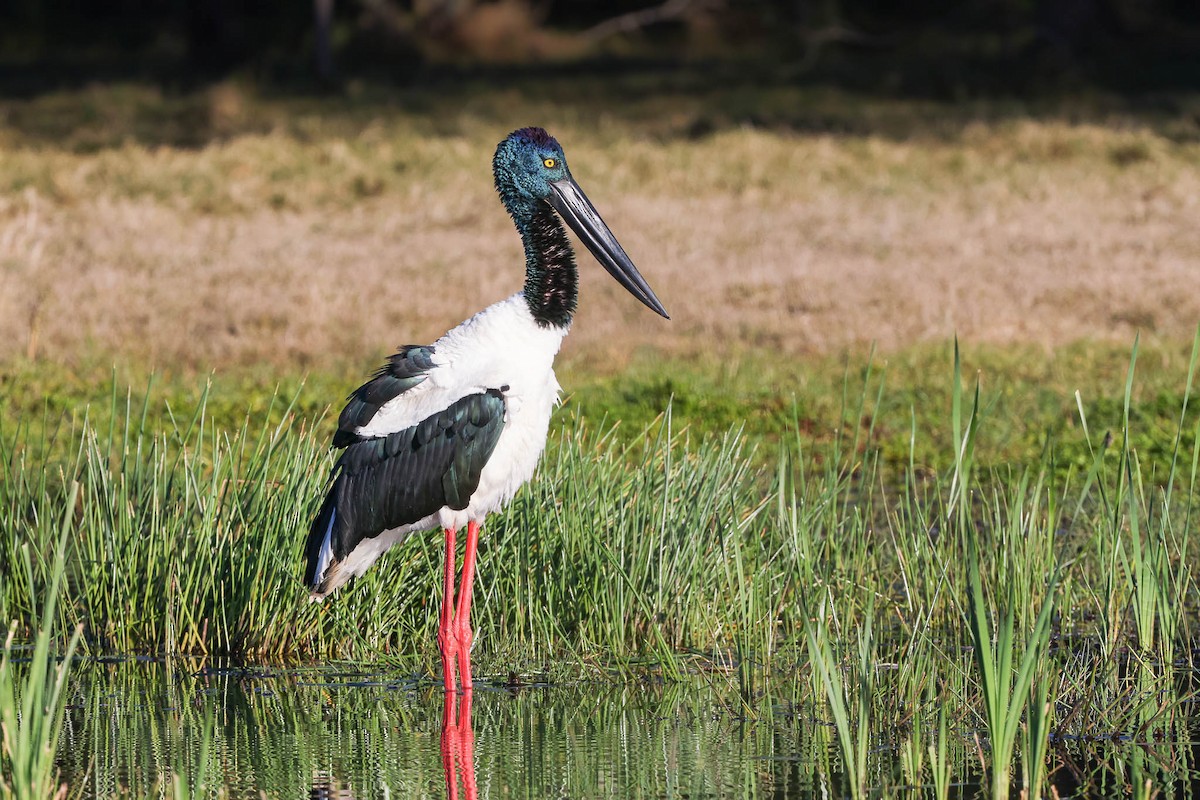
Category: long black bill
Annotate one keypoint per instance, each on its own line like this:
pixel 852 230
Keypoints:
pixel 573 206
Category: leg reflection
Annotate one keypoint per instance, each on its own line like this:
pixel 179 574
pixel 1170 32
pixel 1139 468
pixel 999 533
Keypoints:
pixel 458 745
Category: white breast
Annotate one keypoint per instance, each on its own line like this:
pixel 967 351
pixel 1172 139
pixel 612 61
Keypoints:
pixel 502 347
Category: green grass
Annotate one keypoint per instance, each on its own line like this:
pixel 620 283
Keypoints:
pixel 1029 396
pixel 876 542
pixel 32 704
pixel 1016 593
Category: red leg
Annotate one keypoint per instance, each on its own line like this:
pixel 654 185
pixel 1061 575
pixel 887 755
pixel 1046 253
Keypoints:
pixel 447 637
pixel 449 746
pixel 466 740
pixel 462 617
pixel 458 746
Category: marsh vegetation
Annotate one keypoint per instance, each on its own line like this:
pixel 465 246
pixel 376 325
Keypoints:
pixel 1015 608
pixel 964 567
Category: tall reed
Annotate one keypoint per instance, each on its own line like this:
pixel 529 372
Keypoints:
pixel 849 700
pixel 658 550
pixel 32 705
pixel 1008 659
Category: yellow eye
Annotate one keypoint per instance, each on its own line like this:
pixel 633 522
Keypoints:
pixel 549 163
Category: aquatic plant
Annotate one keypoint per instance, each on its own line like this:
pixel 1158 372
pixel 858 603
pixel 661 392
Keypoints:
pixel 913 599
pixel 849 700
pixel 32 704
pixel 1008 665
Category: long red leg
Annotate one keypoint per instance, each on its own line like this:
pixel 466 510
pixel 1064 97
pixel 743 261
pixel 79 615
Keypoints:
pixel 462 617
pixel 466 735
pixel 458 746
pixel 447 638
pixel 450 746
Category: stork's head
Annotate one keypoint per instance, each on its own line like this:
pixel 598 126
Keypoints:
pixel 531 170
pixel 525 164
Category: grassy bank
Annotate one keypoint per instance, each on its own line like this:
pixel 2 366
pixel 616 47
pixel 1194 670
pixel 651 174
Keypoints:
pixel 901 599
pixel 187 520
pixel 1035 588
pixel 1029 392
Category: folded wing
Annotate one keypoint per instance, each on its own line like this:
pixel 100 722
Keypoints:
pixel 390 481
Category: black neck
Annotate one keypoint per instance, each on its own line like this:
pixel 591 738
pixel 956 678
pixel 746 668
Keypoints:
pixel 551 279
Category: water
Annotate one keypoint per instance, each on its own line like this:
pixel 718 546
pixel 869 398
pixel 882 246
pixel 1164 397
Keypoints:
pixel 355 732
pixel 348 731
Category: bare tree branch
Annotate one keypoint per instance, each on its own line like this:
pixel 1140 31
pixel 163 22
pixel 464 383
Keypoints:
pixel 814 42
pixel 323 19
pixel 635 20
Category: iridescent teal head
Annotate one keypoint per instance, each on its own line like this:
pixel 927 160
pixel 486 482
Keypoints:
pixel 525 164
pixel 531 174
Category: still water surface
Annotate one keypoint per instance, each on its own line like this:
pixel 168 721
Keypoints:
pixel 362 732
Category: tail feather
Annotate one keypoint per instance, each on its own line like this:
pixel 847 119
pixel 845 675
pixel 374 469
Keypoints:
pixel 319 549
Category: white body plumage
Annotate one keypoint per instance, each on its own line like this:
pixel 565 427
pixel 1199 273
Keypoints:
pixel 501 348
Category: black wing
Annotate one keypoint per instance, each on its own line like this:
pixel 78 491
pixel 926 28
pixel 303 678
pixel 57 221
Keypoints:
pixel 401 478
pixel 407 368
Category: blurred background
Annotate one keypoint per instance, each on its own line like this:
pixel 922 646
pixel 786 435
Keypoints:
pixel 274 190
pixel 218 217
pixel 948 49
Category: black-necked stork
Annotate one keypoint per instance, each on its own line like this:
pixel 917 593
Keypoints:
pixel 445 434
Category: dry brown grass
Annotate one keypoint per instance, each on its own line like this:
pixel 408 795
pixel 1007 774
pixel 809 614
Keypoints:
pixel 305 248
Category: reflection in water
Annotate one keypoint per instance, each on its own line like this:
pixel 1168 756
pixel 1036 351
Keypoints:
pixel 143 728
pixel 357 732
pixel 458 745
pixel 324 787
